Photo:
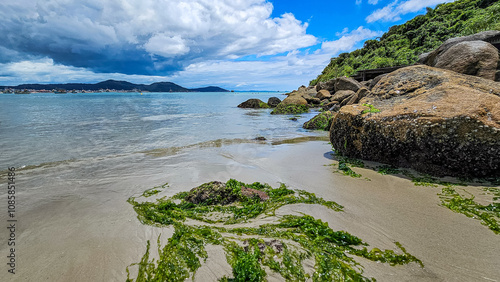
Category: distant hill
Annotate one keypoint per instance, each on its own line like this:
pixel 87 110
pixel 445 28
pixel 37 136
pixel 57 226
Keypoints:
pixel 118 85
pixel 402 44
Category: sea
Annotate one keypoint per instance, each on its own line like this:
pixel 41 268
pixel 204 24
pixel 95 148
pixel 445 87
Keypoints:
pixel 41 129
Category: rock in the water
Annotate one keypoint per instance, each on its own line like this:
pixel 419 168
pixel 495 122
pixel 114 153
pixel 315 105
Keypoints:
pixel 433 120
pixel 347 83
pixel 273 102
pixel 323 94
pixel 322 121
pixel 477 58
pixel 342 95
pixel 253 104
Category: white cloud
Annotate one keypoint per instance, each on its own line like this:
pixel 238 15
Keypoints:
pixel 388 13
pixel 371 2
pixel 144 35
pixel 282 72
pixel 166 46
pixel 393 11
pixel 349 40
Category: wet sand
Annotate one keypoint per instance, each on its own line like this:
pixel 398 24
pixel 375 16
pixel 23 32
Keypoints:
pixel 75 224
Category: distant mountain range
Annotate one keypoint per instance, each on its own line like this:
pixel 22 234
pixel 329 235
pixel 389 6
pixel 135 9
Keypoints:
pixel 118 85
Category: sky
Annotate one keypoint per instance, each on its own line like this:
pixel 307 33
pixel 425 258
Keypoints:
pixel 239 45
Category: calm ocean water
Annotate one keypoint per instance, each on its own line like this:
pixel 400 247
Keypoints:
pixel 44 128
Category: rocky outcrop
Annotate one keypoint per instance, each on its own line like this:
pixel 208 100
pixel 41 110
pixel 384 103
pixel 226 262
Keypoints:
pixel 433 120
pixel 322 121
pixel 253 104
pixel 468 55
pixel 273 102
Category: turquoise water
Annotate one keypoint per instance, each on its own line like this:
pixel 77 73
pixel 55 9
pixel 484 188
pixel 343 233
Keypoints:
pixel 44 128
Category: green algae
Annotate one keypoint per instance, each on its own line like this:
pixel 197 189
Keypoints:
pixel 345 164
pixel 166 211
pixel 282 247
pixel 387 169
pixel 488 214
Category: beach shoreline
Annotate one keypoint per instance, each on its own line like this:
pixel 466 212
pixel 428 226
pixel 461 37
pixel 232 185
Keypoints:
pixel 82 229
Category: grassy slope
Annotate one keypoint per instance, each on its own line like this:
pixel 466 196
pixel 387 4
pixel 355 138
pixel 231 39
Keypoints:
pixel 402 44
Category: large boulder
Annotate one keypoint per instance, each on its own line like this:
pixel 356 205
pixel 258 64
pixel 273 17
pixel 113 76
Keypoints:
pixel 467 54
pixel 433 120
pixel 430 58
pixel 273 102
pixel 347 83
pixel 253 104
pixel 477 58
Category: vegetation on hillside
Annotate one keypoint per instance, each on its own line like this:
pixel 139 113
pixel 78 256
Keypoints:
pixel 402 44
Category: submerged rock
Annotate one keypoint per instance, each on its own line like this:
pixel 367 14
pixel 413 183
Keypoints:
pixel 433 120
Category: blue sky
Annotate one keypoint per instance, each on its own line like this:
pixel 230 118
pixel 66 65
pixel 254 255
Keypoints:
pixel 235 44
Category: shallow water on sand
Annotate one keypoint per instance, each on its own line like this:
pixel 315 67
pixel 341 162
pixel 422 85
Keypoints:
pixel 45 128
pixel 74 223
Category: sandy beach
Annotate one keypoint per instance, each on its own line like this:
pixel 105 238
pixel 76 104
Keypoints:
pixel 82 228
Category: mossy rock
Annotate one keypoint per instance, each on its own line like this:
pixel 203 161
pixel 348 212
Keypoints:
pixel 322 121
pixel 282 109
pixel 253 104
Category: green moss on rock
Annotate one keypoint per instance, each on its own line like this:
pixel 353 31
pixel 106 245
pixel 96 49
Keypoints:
pixel 322 121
